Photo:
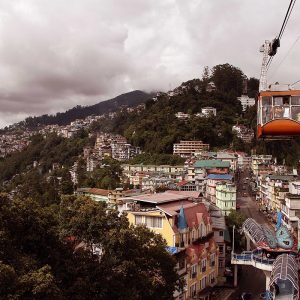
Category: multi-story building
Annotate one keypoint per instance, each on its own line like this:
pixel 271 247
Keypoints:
pixel 246 101
pixel 290 206
pixel 220 231
pixel 202 168
pixel 229 157
pixel 188 148
pixel 226 197
pixel 187 229
pixel 244 161
pixel 212 180
pixel 261 164
pixel 185 185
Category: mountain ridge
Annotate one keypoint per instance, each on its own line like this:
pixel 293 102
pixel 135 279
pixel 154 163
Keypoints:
pixel 129 99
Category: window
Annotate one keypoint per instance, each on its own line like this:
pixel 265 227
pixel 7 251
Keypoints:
pixel 203 283
pixel 193 290
pixel 193 273
pixel 181 262
pixel 154 222
pixel 149 221
pixel 212 260
pixel 203 265
pixel 212 278
pixel 138 220
pixel 221 263
pixel 221 233
pixel 221 249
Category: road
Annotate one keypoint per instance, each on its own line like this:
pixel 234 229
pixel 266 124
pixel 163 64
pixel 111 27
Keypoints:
pixel 250 279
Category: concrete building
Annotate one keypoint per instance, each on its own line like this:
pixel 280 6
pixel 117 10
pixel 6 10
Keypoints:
pixel 246 101
pixel 202 168
pixel 261 164
pixel 211 184
pixel 226 197
pixel 188 148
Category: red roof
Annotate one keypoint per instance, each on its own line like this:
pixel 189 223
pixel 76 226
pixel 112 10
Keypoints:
pixel 194 214
pixel 100 192
pixel 183 182
pixel 195 252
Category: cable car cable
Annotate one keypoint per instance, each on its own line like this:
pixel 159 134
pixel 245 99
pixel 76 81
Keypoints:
pixel 286 18
pixel 276 42
pixel 295 82
pixel 286 55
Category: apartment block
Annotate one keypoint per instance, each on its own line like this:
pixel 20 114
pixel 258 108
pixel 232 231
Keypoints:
pixel 188 148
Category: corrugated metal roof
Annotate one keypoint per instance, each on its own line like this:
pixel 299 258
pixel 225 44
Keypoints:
pixel 285 268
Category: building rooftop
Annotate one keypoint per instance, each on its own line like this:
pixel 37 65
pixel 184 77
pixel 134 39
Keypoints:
pixel 188 194
pixel 173 208
pixel 218 222
pixel 158 198
pixel 208 164
pixel 220 176
pixel 282 177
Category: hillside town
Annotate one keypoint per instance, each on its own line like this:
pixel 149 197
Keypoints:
pixel 191 211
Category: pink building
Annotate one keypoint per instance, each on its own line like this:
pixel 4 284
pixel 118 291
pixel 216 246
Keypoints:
pixel 212 180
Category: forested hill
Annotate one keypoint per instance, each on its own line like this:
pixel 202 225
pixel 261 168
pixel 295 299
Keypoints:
pixel 157 127
pixel 133 98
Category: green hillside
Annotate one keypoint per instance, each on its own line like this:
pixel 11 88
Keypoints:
pixel 157 128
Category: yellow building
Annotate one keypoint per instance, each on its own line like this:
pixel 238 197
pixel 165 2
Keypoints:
pixel 187 229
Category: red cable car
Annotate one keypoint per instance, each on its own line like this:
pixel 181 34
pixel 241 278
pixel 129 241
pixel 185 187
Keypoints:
pixel 278 114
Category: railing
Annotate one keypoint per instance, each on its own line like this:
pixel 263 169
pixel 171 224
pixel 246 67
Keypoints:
pixel 252 256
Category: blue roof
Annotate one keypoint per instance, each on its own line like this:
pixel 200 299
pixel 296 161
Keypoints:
pixel 172 250
pixel 220 176
pixel 181 219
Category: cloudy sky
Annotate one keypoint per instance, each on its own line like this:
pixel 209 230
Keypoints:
pixel 57 54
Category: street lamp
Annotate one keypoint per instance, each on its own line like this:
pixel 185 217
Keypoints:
pixel 233 228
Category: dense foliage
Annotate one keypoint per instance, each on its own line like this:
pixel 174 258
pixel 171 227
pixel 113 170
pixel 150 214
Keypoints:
pixel 41 259
pixel 157 128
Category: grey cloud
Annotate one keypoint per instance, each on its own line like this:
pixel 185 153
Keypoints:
pixel 56 54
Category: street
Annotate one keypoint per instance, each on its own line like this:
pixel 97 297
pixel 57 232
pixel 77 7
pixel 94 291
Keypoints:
pixel 250 279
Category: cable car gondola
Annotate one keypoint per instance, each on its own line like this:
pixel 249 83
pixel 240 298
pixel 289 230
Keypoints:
pixel 278 114
pixel 278 108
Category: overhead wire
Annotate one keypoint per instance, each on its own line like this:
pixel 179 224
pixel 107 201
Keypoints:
pixel 282 29
pixel 286 55
pixel 286 18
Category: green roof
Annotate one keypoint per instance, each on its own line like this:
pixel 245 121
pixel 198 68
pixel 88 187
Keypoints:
pixel 212 164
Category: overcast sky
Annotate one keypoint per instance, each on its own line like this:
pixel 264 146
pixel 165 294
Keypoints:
pixel 57 54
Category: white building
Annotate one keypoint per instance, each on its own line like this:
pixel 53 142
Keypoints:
pixel 226 197
pixel 209 111
pixel 246 101
pixel 188 148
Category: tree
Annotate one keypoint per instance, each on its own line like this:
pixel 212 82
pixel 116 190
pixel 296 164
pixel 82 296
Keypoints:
pixel 228 79
pixel 66 184
pixel 134 263
pixel 236 219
